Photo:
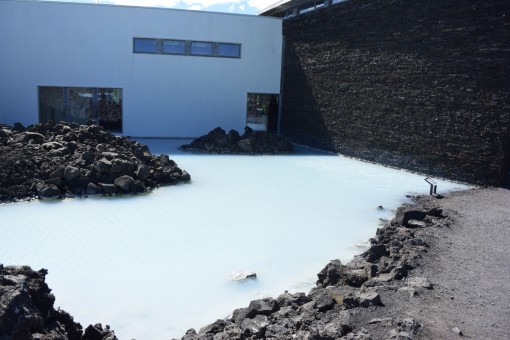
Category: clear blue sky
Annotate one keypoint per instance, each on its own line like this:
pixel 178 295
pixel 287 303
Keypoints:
pixel 229 6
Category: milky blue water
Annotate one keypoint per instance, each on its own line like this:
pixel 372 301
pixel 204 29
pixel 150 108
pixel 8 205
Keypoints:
pixel 155 265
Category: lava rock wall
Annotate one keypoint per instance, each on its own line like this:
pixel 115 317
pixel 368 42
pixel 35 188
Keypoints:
pixel 423 85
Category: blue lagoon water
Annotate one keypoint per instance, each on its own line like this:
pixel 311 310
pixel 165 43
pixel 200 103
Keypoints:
pixel 155 265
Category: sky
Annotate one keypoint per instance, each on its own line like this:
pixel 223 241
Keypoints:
pixel 229 6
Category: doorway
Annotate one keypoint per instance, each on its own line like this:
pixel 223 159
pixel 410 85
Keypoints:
pixel 262 112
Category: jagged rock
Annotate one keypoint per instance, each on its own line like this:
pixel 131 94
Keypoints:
pixel 376 252
pixel 93 189
pixel 27 312
pixel 124 182
pixel 71 156
pixel 243 275
pixel 71 172
pixel 356 277
pixel 142 172
pixel 297 299
pixel 262 307
pixel 255 327
pixel 245 145
pixel 332 274
pixel 49 191
pixel 138 187
pixel 216 327
pixel 216 141
pixel 369 298
pixel 110 189
pixel 323 302
pixel 334 330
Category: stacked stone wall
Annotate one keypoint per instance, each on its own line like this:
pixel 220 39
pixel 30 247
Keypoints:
pixel 423 85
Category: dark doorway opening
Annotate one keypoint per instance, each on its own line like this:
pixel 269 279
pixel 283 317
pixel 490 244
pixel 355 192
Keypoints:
pixel 262 112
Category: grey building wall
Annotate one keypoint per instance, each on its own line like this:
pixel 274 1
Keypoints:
pixel 423 85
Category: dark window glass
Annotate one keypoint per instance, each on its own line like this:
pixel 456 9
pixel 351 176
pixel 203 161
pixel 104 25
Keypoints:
pixel 52 104
pixel 202 48
pixel 229 50
pixel 145 45
pixel 79 105
pixel 174 47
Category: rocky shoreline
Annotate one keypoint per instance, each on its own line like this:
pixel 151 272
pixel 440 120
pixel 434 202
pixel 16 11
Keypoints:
pixel 250 143
pixel 27 312
pixel 50 161
pixel 343 292
pixel 418 280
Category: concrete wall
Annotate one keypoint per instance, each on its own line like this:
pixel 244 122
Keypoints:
pixel 423 85
pixel 88 45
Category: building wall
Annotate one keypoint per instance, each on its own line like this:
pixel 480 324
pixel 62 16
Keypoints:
pixel 421 84
pixel 88 45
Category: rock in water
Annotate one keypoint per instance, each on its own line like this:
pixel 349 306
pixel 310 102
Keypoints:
pixel 243 275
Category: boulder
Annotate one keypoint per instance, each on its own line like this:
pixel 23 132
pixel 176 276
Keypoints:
pixel 332 274
pixel 124 182
pixel 262 307
pixel 93 189
pixel 110 189
pixel 369 298
pixel 255 327
pixel 48 191
pixel 375 252
pixel 71 172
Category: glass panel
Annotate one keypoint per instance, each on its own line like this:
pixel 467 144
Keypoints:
pixel 202 48
pixel 145 45
pixel 51 104
pixel 110 109
pixel 319 4
pixel 81 104
pixel 174 47
pixel 262 112
pixel 229 50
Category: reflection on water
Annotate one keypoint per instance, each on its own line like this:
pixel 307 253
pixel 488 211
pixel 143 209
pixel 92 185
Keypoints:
pixel 155 265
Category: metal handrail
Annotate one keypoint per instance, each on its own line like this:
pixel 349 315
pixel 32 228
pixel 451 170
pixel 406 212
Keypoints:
pixel 433 185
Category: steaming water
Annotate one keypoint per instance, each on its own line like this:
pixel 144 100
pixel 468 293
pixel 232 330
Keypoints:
pixel 155 265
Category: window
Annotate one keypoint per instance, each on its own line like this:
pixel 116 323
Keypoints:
pixel 81 104
pixel 229 50
pixel 174 47
pixel 187 47
pixel 145 45
pixel 201 48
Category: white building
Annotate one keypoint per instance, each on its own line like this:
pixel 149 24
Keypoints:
pixel 147 72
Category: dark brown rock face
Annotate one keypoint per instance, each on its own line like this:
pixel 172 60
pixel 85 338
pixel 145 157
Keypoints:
pixel 422 85
pixel 52 161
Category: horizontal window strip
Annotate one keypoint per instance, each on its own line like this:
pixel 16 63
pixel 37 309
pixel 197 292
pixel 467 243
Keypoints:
pixel 186 47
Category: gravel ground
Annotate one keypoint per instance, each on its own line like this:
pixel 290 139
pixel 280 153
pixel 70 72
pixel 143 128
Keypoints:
pixel 468 265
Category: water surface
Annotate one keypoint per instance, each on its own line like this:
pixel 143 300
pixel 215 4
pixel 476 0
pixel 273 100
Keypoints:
pixel 155 265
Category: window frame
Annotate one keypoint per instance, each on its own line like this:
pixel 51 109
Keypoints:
pixel 157 50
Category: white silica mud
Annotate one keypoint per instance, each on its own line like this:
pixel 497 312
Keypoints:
pixel 155 265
